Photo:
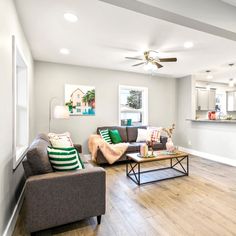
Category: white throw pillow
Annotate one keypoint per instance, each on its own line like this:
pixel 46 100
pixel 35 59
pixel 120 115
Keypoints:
pixel 142 135
pixel 60 140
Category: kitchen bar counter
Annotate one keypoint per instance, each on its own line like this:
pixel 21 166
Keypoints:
pixel 213 121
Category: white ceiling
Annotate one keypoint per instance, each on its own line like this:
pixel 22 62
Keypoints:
pixel 231 2
pixel 221 74
pixel 105 34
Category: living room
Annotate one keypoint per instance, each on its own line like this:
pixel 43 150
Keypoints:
pixel 112 47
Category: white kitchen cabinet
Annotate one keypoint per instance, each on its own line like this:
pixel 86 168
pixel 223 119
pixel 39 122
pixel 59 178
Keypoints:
pixel 206 99
pixel 212 100
pixel 231 101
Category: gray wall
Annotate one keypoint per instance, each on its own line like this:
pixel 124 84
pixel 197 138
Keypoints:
pixel 10 182
pixel 50 79
pixel 211 138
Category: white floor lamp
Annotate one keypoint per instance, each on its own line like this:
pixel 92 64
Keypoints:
pixel 59 111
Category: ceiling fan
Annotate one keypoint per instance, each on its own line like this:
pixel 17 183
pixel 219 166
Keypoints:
pixel 154 60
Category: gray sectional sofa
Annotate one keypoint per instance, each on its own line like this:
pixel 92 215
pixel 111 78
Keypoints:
pixel 57 198
pixel 129 135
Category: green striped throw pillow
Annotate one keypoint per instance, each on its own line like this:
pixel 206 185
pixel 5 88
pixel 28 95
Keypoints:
pixel 105 135
pixel 63 159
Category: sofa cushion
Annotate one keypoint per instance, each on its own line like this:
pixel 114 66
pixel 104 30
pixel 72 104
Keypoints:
pixel 37 156
pixel 27 168
pixel 132 132
pixel 122 131
pixel 134 147
pixel 158 146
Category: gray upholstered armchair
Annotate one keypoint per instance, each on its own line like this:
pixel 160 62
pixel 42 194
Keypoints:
pixel 57 198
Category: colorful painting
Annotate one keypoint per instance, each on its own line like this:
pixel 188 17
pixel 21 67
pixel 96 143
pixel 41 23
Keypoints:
pixel 80 99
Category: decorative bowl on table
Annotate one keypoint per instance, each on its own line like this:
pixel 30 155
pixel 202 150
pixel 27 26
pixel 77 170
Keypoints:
pixel 149 155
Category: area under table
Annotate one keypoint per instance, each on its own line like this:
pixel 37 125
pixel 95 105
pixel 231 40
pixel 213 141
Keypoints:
pixel 134 164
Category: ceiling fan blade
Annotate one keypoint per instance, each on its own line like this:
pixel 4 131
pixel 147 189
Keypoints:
pixel 134 58
pixel 158 65
pixel 171 59
pixel 139 64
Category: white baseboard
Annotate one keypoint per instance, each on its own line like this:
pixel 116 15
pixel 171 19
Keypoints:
pixel 209 156
pixel 12 221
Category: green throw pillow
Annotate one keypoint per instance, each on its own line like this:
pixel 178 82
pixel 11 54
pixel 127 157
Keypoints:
pixel 63 159
pixel 115 136
pixel 105 135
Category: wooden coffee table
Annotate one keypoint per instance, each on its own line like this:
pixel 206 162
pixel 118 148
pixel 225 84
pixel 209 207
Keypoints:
pixel 179 159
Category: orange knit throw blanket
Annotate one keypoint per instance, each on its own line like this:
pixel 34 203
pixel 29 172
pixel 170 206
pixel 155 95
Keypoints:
pixel 112 152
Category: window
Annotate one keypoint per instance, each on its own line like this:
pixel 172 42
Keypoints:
pixel 221 102
pixel 20 106
pixel 133 105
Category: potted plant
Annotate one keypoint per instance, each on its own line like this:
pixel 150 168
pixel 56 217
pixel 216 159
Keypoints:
pixel 170 145
pixel 70 106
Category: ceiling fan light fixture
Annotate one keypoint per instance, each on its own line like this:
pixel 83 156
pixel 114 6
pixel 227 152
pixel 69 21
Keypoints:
pixel 152 54
pixel 149 67
pixel 188 44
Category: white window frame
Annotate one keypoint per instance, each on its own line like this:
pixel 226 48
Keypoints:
pixel 18 153
pixel 144 99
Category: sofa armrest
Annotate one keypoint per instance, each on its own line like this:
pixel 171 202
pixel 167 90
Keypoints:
pixel 78 147
pixel 163 140
pixel 62 197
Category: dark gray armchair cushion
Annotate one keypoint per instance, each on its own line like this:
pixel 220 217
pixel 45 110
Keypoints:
pixel 37 156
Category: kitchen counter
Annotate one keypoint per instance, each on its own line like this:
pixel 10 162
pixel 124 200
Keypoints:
pixel 213 121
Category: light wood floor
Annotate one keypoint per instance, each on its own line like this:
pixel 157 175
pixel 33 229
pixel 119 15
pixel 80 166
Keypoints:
pixel 203 204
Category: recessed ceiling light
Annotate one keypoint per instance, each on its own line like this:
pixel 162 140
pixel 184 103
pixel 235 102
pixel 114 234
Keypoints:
pixel 209 76
pixel 188 44
pixel 64 51
pixel 70 17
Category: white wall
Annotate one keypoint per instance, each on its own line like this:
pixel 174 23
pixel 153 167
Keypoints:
pixel 50 79
pixel 10 182
pixel 216 139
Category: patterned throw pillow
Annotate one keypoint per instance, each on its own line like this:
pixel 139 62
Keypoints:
pixel 63 159
pixel 154 134
pixel 60 140
pixel 105 135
